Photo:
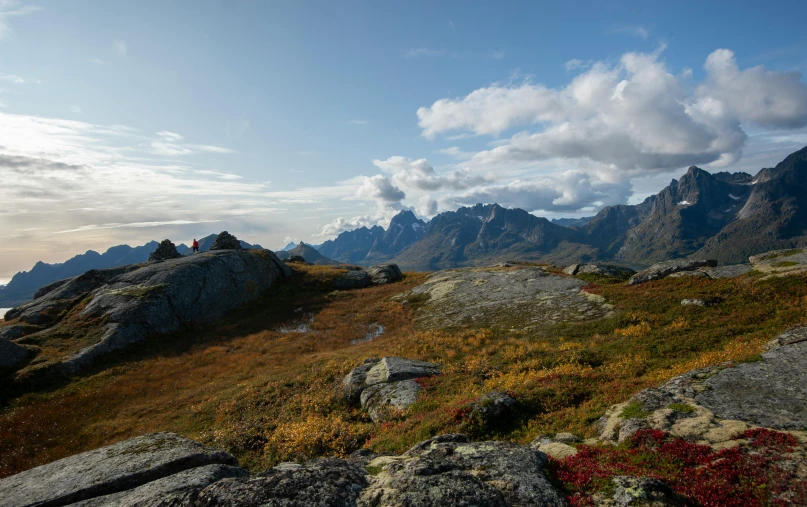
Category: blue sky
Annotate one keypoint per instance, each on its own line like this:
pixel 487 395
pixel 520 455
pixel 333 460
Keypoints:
pixel 129 121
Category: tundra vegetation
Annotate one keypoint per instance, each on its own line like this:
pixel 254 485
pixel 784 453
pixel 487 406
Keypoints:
pixel 264 382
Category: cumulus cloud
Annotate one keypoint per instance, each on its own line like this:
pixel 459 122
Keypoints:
pixel 569 191
pixel 635 116
pixel 420 175
pixel 342 224
pixel 772 99
pixel 380 189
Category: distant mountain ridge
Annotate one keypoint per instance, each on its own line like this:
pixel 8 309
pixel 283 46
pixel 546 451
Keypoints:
pixel 22 286
pixel 724 216
pixel 307 252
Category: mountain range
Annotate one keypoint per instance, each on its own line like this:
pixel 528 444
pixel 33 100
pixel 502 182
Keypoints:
pixel 24 284
pixel 724 216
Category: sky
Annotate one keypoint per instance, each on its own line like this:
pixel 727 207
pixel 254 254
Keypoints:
pixel 131 121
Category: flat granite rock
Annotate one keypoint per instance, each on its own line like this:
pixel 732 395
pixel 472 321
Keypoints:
pixel 450 470
pixel 175 490
pixel 781 261
pixel 771 393
pixel 521 297
pixel 108 470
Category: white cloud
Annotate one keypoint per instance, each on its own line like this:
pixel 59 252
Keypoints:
pixel 121 47
pixel 96 61
pixel 168 144
pixel 17 80
pixel 10 9
pixel 170 136
pixel 634 116
pixel 771 99
pixel 342 224
pixel 358 122
pixel 380 189
pixel 76 109
pixel 635 30
pixel 420 175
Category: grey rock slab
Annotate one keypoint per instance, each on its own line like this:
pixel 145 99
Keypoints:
pixel 385 273
pixel 108 470
pixel 793 335
pixel 12 355
pixel 449 470
pixel 355 381
pixel 730 271
pixel 182 488
pixel 383 400
pixel 521 297
pixel 689 274
pixel 611 270
pixel 353 280
pixel 493 406
pixel 325 482
pixel 393 369
pixel 771 393
pixel 666 268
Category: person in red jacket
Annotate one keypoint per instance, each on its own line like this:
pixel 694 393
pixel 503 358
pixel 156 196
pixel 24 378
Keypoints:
pixel 195 246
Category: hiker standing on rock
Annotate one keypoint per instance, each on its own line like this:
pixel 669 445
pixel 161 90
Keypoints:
pixel 195 246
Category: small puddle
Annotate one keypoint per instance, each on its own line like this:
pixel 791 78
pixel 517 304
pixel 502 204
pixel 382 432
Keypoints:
pixel 302 327
pixel 374 330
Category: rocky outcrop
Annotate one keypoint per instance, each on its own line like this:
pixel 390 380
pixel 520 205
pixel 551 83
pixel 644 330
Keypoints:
pixel 711 405
pixel 781 262
pixel 133 302
pixel 295 258
pixel 598 269
pixel 519 297
pixel 225 241
pixel 666 268
pixel 123 467
pixel 324 482
pixel 164 469
pixel 645 491
pixel 385 273
pixel 386 386
pixel 492 407
pixel 450 470
pixel 165 250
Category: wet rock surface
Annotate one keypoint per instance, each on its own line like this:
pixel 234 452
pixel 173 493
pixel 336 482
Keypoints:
pixel 109 470
pixel 136 301
pixel 664 269
pixel 386 386
pixel 449 470
pixel 520 297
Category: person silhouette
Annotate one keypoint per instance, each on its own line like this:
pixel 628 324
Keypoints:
pixel 195 246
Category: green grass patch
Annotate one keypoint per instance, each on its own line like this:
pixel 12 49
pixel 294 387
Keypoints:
pixel 634 410
pixel 784 264
pixel 682 407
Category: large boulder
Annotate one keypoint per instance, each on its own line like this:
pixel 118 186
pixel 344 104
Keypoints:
pixel 115 469
pixel 165 250
pixel 450 470
pixel 357 279
pixel 325 482
pixel 385 273
pixel 386 386
pixel 225 241
pixel 666 268
pixel 133 302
